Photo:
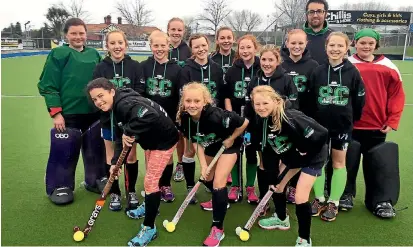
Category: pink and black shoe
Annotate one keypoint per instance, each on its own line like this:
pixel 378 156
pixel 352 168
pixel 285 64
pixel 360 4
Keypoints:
pixel 215 237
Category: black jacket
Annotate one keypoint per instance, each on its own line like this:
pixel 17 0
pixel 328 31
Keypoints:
pixel 224 61
pixel 180 54
pixel 126 73
pixel 317 42
pixel 300 72
pixel 146 120
pixel 299 133
pixel 210 74
pixel 337 96
pixel 280 81
pixel 237 80
pixel 215 125
pixel 162 83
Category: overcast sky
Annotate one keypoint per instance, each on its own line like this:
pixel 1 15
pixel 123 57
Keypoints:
pixel 35 10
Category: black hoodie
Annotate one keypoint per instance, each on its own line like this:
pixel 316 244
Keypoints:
pixel 299 134
pixel 180 54
pixel 300 72
pixel 336 96
pixel 210 74
pixel 126 73
pixel 144 119
pixel 224 61
pixel 237 80
pixel 280 81
pixel 215 125
pixel 162 83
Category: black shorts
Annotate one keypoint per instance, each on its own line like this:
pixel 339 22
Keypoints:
pixel 213 149
pixel 339 141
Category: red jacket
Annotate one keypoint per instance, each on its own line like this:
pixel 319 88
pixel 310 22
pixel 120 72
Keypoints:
pixel 384 93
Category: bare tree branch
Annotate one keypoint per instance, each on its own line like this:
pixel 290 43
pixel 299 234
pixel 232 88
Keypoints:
pixel 76 9
pixel 215 11
pixel 236 20
pixel 406 8
pixel 252 20
pixel 293 12
pixel 135 12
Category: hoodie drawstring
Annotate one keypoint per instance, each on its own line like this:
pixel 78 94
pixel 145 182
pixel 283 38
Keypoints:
pixel 111 112
pixel 209 74
pixel 153 70
pixel 339 74
pixel 197 131
pixel 264 135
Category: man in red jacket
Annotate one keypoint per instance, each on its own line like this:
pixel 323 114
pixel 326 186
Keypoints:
pixel 381 114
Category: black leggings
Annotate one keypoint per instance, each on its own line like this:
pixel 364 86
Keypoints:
pixel 367 139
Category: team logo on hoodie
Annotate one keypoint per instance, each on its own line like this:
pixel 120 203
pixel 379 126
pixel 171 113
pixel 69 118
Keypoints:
pixel 212 87
pixel 279 144
pixel 158 86
pixel 333 95
pixel 240 89
pixel 205 140
pixel 120 81
pixel 300 81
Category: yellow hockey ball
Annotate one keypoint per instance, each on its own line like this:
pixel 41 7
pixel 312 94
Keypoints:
pixel 78 236
pixel 244 235
pixel 170 227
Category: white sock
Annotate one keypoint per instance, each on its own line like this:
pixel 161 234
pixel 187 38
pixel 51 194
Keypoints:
pixel 335 202
pixel 321 198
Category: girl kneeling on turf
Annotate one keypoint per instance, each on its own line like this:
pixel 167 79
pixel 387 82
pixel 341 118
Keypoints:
pixel 300 142
pixel 145 122
pixel 207 128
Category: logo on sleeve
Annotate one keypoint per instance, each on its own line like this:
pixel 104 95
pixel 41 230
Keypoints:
pixel 142 111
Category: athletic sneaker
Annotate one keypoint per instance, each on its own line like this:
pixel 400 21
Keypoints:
pixel 115 204
pixel 229 179
pixel 330 212
pixel 384 210
pixel 193 200
pixel 316 207
pixel 302 242
pixel 265 210
pixel 166 194
pixel 251 196
pixel 274 222
pixel 346 202
pixel 179 173
pixel 144 237
pixel 207 206
pixel 291 195
pixel 137 213
pixel 234 194
pixel 215 237
pixel 133 201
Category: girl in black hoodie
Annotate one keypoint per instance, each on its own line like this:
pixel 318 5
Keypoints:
pixel 202 69
pixel 161 77
pixel 179 50
pixel 208 128
pixel 223 54
pixel 121 71
pixel 145 122
pixel 300 142
pixel 337 95
pixel 299 65
pixel 238 78
pixel 271 74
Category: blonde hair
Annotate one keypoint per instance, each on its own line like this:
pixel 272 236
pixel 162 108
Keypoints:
pixel 176 19
pixel 193 86
pixel 217 36
pixel 115 31
pixel 340 34
pixel 253 39
pixel 158 34
pixel 296 31
pixel 274 49
pixel 278 113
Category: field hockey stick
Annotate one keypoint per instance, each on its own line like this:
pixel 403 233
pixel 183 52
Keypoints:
pixel 79 234
pixel 243 232
pixel 170 225
pixel 241 154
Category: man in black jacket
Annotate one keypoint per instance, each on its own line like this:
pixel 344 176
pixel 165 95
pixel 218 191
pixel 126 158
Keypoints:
pixel 317 30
